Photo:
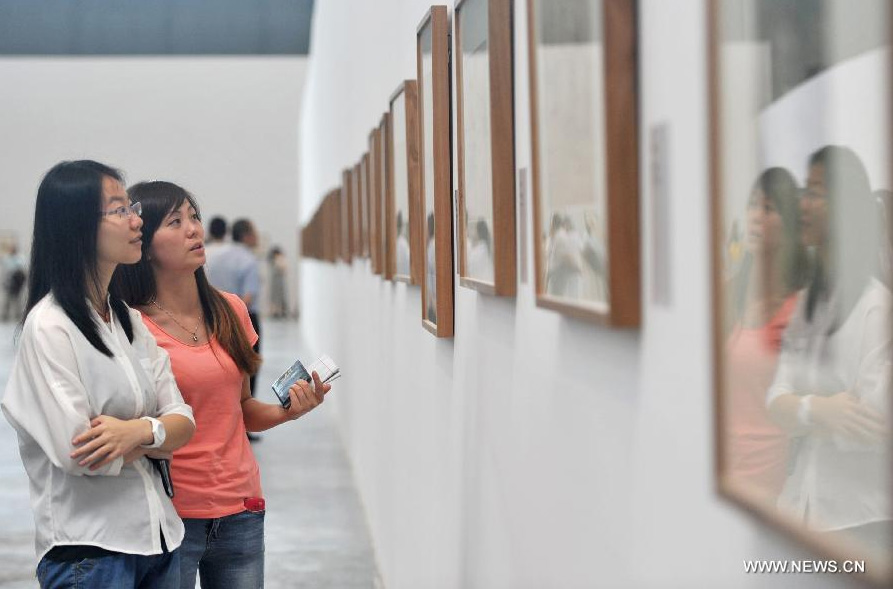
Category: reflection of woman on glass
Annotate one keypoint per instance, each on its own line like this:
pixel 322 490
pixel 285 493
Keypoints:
pixel 480 254
pixel 431 273
pixel 402 254
pixel 763 295
pixel 564 268
pixel 91 395
pixel 830 390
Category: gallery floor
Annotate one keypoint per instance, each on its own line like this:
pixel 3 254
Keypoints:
pixel 316 534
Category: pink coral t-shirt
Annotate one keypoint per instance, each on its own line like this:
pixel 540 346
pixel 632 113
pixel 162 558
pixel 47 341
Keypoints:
pixel 216 470
pixel 756 448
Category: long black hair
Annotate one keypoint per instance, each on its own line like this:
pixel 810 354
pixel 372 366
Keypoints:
pixel 63 248
pixel 136 282
pixel 779 186
pixel 852 232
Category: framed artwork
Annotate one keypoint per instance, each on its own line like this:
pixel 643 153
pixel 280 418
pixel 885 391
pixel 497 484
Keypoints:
pixel 433 47
pixel 346 218
pixel 404 224
pixel 338 215
pixel 334 226
pixel 801 272
pixel 365 223
pixel 356 209
pixel 373 172
pixel 326 231
pixel 384 132
pixel 306 241
pixel 584 168
pixel 485 146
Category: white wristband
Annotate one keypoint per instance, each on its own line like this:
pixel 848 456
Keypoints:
pixel 158 432
pixel 804 411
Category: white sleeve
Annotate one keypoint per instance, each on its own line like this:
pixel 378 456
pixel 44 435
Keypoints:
pixel 872 379
pixel 46 401
pixel 167 394
pixel 783 383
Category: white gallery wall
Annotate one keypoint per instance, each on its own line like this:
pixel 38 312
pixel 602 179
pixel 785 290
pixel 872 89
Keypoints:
pixel 225 128
pixel 531 450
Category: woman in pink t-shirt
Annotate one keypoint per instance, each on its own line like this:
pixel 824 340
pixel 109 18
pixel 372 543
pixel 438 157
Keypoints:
pixel 209 338
pixel 763 296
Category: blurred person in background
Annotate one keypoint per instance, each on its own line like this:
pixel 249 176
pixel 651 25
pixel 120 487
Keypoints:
pixel 14 277
pixel 278 267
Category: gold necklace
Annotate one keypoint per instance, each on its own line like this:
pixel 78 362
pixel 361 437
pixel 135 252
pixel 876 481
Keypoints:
pixel 193 332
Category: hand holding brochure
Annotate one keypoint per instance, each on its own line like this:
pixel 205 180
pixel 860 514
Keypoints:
pixel 324 366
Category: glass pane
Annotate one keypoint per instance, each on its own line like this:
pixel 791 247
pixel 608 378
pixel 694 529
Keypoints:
pixel 374 199
pixel 428 166
pixel 571 151
pixel 804 104
pixel 477 145
pixel 400 183
pixel 364 206
pixel 345 219
pixel 383 174
pixel 355 194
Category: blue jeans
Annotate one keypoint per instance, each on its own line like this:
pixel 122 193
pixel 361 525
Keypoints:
pixel 160 571
pixel 227 552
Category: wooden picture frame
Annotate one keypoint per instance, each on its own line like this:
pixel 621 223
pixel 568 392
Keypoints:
pixel 338 215
pixel 365 206
pixel 404 240
pixel 373 173
pixel 485 133
pixel 584 160
pixel 787 139
pixel 330 224
pixel 357 208
pixel 387 202
pixel 433 61
pixel 347 238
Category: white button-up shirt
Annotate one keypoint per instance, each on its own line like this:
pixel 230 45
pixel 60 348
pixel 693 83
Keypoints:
pixel 59 382
pixel 837 482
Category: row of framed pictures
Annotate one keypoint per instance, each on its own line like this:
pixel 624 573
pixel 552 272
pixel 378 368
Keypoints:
pixel 395 205
pixel 799 157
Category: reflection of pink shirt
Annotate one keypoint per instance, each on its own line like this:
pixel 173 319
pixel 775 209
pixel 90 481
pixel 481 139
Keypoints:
pixel 756 449
pixel 216 470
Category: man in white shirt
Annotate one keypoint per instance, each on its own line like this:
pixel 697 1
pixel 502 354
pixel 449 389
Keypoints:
pixel 216 241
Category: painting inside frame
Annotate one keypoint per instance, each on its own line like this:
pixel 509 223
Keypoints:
pixel 436 171
pixel 385 204
pixel 485 146
pixel 584 161
pixel 364 206
pixel 373 172
pixel 572 231
pixel 802 271
pixel 404 252
pixel 473 73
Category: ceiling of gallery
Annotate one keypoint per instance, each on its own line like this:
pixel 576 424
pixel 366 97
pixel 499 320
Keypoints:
pixel 155 27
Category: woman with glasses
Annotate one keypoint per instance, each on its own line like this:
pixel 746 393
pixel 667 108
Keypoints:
pixel 209 337
pixel 91 395
pixel 831 389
